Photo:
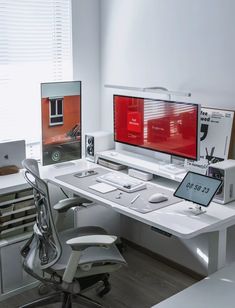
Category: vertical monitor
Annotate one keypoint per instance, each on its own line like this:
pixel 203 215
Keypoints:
pixel 61 121
pixel 198 188
pixel 159 125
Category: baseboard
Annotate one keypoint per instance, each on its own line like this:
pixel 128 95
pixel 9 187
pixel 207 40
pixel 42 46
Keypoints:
pixel 162 259
pixel 19 290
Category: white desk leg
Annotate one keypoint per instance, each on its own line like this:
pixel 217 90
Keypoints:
pixel 217 250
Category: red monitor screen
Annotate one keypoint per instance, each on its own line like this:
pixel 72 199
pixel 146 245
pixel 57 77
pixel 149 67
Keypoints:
pixel 159 125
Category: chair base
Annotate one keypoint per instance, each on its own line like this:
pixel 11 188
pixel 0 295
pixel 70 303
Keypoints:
pixel 66 300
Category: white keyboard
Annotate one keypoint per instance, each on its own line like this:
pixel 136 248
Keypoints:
pixel 172 169
pixel 122 181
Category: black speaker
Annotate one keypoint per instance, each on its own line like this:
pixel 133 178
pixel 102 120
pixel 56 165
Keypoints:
pixel 90 146
pixel 97 142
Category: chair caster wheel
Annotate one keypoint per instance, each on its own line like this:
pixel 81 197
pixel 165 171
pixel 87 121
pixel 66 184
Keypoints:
pixel 104 289
pixel 43 289
pixel 121 247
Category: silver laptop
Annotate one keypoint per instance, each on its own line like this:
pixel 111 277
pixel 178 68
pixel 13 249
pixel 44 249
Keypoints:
pixel 12 153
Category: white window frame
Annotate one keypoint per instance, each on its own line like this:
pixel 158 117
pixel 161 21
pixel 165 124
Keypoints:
pixel 57 114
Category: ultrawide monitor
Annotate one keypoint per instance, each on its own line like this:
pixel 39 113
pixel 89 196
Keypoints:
pixel 198 188
pixel 61 121
pixel 158 125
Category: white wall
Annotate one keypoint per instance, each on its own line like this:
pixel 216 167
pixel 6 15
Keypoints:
pixel 86 55
pixel 183 45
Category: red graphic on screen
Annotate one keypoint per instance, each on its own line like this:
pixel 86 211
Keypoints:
pixel 124 130
pixel 158 129
pixel 134 122
pixel 163 126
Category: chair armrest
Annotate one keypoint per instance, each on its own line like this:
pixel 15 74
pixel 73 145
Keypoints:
pixel 78 244
pixel 65 204
pixel 83 242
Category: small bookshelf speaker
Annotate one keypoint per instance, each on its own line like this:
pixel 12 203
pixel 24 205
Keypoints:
pixel 97 142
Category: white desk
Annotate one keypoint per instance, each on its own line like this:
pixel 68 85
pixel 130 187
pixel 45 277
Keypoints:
pixel 215 291
pixel 175 219
pixel 12 181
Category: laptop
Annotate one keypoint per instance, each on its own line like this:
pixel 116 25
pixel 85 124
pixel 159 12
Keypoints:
pixel 12 153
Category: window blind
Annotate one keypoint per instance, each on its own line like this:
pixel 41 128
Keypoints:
pixel 151 112
pixel 35 47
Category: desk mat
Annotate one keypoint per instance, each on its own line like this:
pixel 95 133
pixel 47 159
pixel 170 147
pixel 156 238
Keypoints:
pixel 118 196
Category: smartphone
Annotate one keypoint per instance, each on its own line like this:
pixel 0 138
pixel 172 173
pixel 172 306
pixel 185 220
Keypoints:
pixel 85 173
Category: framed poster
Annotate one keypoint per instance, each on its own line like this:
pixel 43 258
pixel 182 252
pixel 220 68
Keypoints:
pixel 215 138
pixel 61 121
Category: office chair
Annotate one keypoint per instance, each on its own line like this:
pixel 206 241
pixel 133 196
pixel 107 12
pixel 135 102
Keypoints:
pixel 71 261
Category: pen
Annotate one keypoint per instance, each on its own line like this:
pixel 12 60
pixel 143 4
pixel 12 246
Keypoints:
pixel 134 199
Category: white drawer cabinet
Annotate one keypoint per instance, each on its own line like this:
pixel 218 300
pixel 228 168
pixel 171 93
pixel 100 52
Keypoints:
pixel 17 216
pixel 12 272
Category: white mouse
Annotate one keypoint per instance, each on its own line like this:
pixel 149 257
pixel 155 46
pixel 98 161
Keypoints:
pixel 157 197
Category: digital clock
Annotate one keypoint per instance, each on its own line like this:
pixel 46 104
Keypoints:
pixel 198 188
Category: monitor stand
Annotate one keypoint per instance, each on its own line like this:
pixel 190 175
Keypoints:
pixel 64 165
pixel 197 209
pixel 177 161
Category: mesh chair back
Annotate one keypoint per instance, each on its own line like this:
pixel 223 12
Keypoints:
pixel 43 249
